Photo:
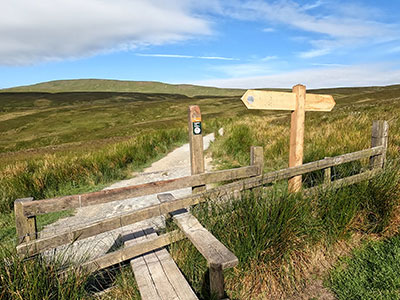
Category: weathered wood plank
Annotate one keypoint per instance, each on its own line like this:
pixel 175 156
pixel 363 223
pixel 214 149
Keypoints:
pixel 212 249
pixel 61 203
pixel 380 136
pixel 196 145
pixel 343 181
pixel 297 136
pixel 25 226
pixel 42 244
pixel 132 251
pixel 160 271
pixel 257 158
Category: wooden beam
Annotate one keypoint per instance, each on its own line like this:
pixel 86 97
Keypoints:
pixel 39 207
pixel 380 136
pixel 132 251
pixel 257 158
pixel 42 244
pixel 25 226
pixel 271 100
pixel 196 144
pixel 297 135
pixel 217 255
pixel 213 250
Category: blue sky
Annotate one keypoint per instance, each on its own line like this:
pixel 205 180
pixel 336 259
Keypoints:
pixel 320 43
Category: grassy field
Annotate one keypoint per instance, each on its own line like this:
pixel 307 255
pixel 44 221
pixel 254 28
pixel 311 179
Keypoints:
pixel 61 143
pixel 101 85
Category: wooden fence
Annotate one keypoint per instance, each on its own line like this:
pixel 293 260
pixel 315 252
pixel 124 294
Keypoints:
pixel 249 177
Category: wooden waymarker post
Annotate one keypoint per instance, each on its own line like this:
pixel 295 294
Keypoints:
pixel 297 102
pixel 196 144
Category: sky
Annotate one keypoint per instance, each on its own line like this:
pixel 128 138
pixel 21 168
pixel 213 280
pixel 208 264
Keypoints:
pixel 231 43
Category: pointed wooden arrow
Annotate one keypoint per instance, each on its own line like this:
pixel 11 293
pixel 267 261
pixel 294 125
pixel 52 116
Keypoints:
pixel 255 99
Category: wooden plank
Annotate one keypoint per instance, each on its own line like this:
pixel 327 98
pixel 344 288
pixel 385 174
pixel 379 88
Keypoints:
pixel 272 100
pixel 217 282
pixel 132 251
pixel 212 249
pixel 25 226
pixel 343 181
pixel 39 207
pixel 160 269
pixel 380 135
pixel 42 244
pixel 297 136
pixel 196 145
pixel 257 158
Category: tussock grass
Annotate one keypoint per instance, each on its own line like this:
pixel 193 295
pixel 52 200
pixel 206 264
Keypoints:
pixel 51 176
pixel 38 279
pixel 371 272
pixel 276 235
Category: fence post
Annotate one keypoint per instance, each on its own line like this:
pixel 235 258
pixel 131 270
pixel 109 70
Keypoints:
pixel 380 134
pixel 217 281
pixel 297 136
pixel 25 226
pixel 257 158
pixel 196 144
pixel 327 175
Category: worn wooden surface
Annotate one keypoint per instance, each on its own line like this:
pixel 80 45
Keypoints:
pixel 213 250
pixel 380 136
pixel 131 251
pixel 196 147
pixel 297 136
pixel 67 202
pixel 156 274
pixel 257 158
pixel 273 100
pixel 42 244
pixel 25 226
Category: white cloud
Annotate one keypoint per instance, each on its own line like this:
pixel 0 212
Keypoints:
pixel 186 56
pixel 342 76
pixel 269 29
pixel 42 30
pixel 342 27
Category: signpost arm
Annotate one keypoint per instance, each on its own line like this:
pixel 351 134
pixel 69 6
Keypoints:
pixel 196 144
pixel 297 136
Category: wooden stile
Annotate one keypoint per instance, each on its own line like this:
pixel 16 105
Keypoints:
pixel 217 255
pixel 42 244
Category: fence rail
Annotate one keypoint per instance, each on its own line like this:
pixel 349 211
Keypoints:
pixel 42 244
pixel 247 178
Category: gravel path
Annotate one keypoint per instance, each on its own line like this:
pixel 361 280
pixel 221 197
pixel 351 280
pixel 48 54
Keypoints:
pixel 173 165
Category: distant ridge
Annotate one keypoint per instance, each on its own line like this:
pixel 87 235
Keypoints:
pixel 104 85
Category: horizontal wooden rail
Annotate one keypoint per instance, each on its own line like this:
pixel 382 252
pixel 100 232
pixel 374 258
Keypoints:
pixel 127 253
pixel 39 207
pixel 156 210
pixel 320 164
pixel 130 252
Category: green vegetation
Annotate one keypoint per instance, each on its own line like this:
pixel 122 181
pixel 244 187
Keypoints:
pixel 373 272
pixel 101 85
pixel 275 239
pixel 64 143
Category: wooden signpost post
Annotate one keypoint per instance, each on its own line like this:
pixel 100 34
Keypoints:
pixel 196 144
pixel 297 102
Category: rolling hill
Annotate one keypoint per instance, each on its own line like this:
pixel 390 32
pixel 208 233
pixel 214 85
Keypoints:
pixel 103 85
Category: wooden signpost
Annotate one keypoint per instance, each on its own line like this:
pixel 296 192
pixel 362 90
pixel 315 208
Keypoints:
pixel 196 144
pixel 297 102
